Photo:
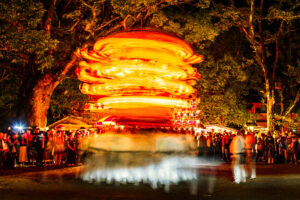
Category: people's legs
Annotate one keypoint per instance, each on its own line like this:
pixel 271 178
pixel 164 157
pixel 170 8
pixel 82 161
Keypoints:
pixel 39 157
pixel 226 155
pixel 253 166
pixel 55 158
pixel 223 154
pixel 34 156
pixel 295 158
pixel 242 166
pixel 59 159
pixel 248 162
pixel 1 160
pixel 285 155
pixel 237 168
pixel 269 156
pixel 28 154
pixel 289 157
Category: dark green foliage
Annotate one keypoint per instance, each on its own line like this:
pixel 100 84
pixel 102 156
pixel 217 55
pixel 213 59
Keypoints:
pixel 22 37
pixel 230 73
pixel 195 27
pixel 66 99
pixel 272 32
pixel 8 95
pixel 222 91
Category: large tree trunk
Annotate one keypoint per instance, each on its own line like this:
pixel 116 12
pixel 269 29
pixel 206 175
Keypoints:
pixel 270 100
pixel 270 113
pixel 39 101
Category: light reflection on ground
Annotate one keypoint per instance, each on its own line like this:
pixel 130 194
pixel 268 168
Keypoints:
pixel 160 160
pixel 272 182
pixel 164 171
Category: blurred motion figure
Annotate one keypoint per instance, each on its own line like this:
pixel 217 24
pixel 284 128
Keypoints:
pixel 237 149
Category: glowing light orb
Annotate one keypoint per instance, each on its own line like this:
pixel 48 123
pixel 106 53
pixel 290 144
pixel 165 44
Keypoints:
pixel 139 69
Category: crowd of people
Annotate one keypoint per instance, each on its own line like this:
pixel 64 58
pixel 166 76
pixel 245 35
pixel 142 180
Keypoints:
pixel 244 149
pixel 268 148
pixel 60 147
pixel 38 148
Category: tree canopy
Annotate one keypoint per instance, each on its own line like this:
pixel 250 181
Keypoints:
pixel 250 46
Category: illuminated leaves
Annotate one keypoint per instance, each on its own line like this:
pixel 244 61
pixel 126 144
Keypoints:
pixel 275 13
pixel 222 89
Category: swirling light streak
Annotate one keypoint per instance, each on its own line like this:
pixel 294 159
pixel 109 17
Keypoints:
pixel 90 72
pixel 137 84
pixel 139 63
pixel 135 44
pixel 142 101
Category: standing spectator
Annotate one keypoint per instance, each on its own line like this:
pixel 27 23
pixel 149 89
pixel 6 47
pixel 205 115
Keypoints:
pixel 281 150
pixel 77 147
pixel 270 149
pixel 292 148
pixel 225 147
pixel 209 144
pixel 296 146
pixel 259 147
pixel 250 155
pixel 3 150
pixel 71 148
pixel 40 146
pixel 9 158
pixel 286 145
pixel 202 143
pixel 264 147
pixel 15 148
pixel 59 147
pixel 33 148
pixel 8 131
pixel 49 145
pixel 29 137
pixel 218 142
pixel 23 149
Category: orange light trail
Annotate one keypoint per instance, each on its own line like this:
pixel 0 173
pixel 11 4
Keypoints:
pixel 90 72
pixel 138 85
pixel 139 69
pixel 142 101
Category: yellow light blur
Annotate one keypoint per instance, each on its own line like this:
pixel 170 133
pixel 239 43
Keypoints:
pixel 141 101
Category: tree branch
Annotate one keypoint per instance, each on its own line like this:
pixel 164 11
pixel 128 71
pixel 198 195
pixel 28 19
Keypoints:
pixel 276 53
pixel 293 104
pixel 15 52
pixel 4 76
pixel 125 19
pixel 251 18
pixel 87 5
pixel 107 23
pixel 68 66
pixel 48 22
pixel 89 25
pixel 75 24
